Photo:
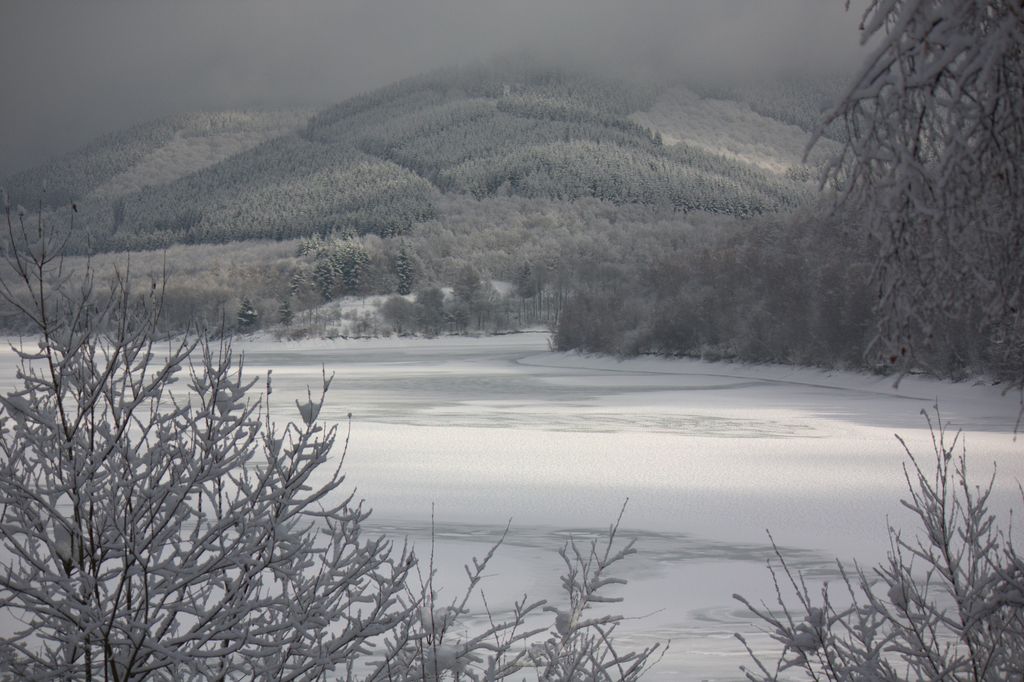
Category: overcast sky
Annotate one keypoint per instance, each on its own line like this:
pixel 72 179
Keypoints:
pixel 74 69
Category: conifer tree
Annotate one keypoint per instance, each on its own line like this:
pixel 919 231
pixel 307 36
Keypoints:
pixel 324 277
pixel 405 270
pixel 248 316
pixel 285 314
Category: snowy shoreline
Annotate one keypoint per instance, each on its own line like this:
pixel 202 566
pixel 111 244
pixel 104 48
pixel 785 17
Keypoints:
pixel 536 346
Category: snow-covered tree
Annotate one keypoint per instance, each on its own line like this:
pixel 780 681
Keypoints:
pixel 285 313
pixel 248 316
pixel 935 128
pixel 467 286
pixel 325 278
pixel 350 261
pixel 405 270
pixel 430 310
pixel 155 521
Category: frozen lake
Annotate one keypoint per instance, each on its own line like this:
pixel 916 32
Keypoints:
pixel 709 455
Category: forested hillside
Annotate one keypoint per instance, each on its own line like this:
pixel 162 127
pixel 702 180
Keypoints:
pixel 627 216
pixel 377 163
pixel 147 154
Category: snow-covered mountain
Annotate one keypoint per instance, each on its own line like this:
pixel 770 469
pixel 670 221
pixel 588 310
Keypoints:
pixel 731 128
pixel 378 162
pixel 152 153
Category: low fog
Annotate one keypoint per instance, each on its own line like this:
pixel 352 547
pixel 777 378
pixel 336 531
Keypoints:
pixel 74 70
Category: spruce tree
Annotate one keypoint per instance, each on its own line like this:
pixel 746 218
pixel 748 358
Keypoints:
pixel 285 314
pixel 295 283
pixel 324 278
pixel 248 317
pixel 350 260
pixel 405 270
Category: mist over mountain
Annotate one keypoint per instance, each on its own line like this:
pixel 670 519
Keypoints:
pixel 377 163
pixel 74 70
pixel 627 214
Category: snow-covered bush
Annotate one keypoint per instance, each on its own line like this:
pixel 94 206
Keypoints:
pixel 157 523
pixel 946 604
pixel 578 647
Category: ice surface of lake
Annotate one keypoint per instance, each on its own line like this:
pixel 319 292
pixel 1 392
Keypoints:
pixel 709 455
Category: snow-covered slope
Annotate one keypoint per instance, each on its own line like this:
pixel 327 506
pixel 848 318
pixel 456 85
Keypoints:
pixel 191 150
pixel 729 128
pixel 377 163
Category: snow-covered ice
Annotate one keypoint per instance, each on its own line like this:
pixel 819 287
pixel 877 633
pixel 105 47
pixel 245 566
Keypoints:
pixel 710 455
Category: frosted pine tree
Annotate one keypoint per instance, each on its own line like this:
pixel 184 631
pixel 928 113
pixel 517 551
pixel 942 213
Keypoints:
pixel 248 316
pixel 405 271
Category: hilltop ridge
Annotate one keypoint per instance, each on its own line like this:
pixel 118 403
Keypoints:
pixel 377 163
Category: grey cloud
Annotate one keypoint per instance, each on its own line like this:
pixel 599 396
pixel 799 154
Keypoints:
pixel 73 69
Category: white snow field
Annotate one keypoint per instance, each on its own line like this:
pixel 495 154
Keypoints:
pixel 710 455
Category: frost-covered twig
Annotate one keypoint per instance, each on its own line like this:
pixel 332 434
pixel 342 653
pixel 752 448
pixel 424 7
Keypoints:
pixel 154 528
pixel 945 605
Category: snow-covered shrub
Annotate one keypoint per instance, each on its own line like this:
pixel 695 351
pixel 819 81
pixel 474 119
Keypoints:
pixel 582 647
pixel 946 604
pixel 573 644
pixel 157 523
